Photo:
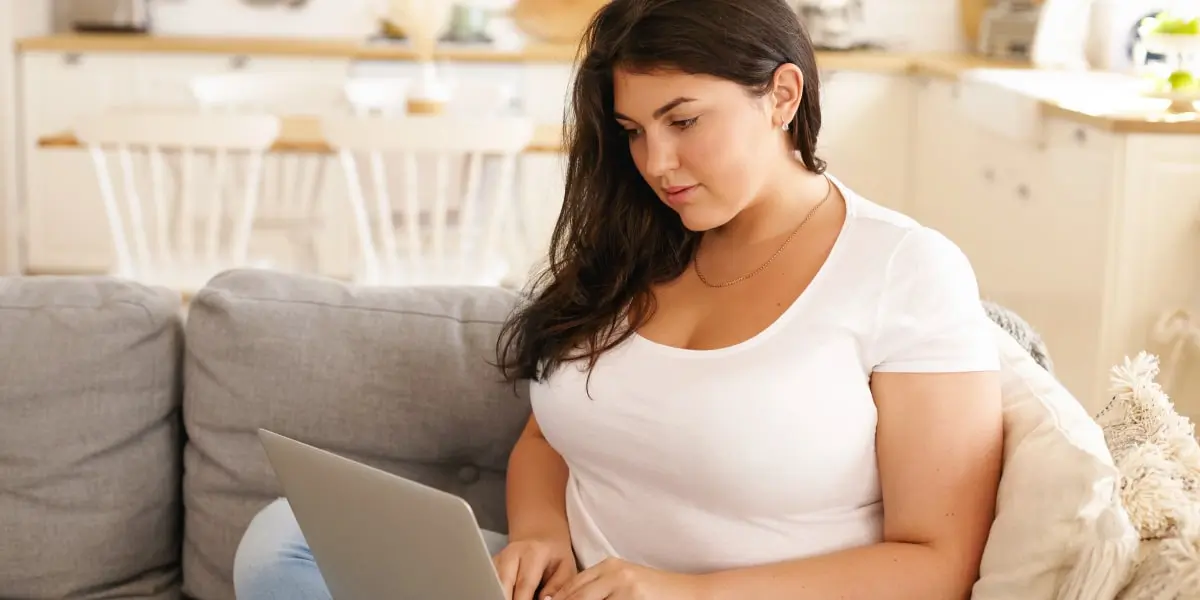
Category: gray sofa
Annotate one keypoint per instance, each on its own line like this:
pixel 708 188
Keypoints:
pixel 129 463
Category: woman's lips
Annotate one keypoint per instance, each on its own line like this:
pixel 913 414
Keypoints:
pixel 680 194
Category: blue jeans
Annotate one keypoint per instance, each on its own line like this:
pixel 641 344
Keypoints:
pixel 273 560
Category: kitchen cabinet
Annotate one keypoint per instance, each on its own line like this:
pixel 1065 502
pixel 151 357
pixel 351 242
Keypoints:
pixel 866 133
pixel 1158 266
pixel 67 230
pixel 1087 234
pixel 938 148
pixel 1032 213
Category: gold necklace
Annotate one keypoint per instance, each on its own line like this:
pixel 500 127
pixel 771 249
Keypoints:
pixel 811 212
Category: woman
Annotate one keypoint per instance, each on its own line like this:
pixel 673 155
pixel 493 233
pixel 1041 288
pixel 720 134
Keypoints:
pixel 747 380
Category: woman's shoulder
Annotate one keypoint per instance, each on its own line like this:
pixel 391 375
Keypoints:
pixel 930 316
pixel 903 241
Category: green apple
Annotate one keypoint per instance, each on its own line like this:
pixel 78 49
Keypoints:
pixel 1181 81
pixel 1165 23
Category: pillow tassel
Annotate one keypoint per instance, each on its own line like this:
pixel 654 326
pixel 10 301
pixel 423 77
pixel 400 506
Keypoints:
pixel 1104 565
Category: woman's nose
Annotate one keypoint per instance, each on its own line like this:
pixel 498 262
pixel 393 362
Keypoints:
pixel 661 155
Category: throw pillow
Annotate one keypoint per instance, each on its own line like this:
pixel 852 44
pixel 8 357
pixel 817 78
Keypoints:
pixel 1156 452
pixel 1060 530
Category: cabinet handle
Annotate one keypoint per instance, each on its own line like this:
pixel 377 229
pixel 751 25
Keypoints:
pixel 1080 135
pixel 989 174
pixel 1023 191
pixel 239 62
pixel 72 58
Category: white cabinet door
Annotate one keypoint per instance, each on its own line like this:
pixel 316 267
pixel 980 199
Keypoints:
pixel 1051 206
pixel 1031 214
pixel 866 133
pixel 1159 250
pixel 67 229
pixel 942 163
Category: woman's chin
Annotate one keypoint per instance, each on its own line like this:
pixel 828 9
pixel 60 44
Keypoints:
pixel 700 220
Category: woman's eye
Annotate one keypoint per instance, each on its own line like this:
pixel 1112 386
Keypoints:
pixel 685 123
pixel 632 133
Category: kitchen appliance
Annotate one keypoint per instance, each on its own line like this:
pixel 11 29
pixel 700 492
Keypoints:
pixel 482 22
pixel 1062 34
pixel 110 16
pixel 832 24
pixel 1008 28
pixel 468 25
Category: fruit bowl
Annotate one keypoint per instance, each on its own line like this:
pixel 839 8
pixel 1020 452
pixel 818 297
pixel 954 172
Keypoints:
pixel 1181 87
pixel 1182 101
pixel 1177 44
pixel 1167 33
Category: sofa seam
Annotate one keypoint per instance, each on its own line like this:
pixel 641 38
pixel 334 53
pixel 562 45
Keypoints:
pixel 145 309
pixel 361 308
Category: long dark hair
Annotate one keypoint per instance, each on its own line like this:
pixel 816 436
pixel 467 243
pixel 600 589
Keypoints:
pixel 614 238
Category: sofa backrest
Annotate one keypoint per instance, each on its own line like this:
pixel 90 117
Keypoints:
pixel 90 439
pixel 398 378
pixel 129 461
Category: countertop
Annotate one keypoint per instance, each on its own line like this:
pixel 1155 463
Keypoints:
pixel 1118 108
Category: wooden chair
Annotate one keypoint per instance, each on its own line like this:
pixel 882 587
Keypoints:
pixel 441 229
pixel 163 178
pixel 292 201
pixel 383 96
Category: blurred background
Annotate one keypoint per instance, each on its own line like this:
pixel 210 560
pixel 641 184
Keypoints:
pixel 1055 141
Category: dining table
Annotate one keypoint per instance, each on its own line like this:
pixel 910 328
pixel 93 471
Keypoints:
pixel 302 134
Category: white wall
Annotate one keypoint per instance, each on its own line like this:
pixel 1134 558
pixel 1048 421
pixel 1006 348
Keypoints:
pixel 18 18
pixel 7 141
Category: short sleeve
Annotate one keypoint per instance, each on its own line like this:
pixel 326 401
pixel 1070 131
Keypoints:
pixel 931 318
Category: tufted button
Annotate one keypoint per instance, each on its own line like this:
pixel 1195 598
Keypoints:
pixel 468 474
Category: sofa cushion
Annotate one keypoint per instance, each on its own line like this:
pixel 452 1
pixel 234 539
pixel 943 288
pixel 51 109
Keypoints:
pixel 90 439
pixel 397 378
pixel 1060 530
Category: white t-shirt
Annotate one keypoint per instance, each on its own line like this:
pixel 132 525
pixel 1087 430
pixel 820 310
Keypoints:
pixel 702 460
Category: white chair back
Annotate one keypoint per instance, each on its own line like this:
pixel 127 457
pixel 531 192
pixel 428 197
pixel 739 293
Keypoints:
pixel 448 231
pixel 180 190
pixel 293 184
pixel 386 96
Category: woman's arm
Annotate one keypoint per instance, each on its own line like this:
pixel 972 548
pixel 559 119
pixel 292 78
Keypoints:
pixel 939 444
pixel 536 488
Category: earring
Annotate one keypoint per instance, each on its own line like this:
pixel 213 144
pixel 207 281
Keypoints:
pixel 784 126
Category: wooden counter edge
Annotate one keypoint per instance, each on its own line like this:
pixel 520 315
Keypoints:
pixel 547 139
pixel 858 60
pixel 314 48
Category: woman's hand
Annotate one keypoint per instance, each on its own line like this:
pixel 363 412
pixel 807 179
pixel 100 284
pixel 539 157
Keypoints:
pixel 535 566
pixel 615 579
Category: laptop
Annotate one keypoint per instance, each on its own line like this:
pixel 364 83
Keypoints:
pixel 376 535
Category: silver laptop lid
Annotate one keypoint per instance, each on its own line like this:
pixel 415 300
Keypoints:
pixel 376 535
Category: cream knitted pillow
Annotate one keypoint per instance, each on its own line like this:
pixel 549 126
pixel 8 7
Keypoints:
pixel 1060 530
pixel 1156 452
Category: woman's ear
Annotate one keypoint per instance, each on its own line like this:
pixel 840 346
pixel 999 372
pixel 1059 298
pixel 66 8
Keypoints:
pixel 786 92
